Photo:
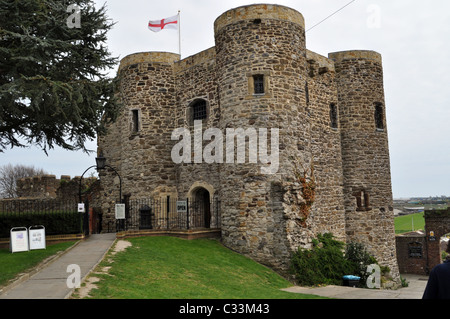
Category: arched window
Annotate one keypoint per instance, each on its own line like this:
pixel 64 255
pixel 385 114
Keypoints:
pixel 379 116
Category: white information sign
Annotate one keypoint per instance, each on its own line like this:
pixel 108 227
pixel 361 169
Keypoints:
pixel 19 239
pixel 81 208
pixel 37 237
pixel 181 206
pixel 120 211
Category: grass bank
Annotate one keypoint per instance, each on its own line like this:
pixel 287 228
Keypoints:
pixel 173 268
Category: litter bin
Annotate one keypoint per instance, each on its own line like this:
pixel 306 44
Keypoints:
pixel 351 281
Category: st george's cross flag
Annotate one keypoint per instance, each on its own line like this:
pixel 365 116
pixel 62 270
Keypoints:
pixel 168 23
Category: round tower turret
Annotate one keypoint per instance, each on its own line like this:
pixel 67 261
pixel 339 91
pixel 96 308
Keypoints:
pixel 261 75
pixel 365 152
pixel 138 144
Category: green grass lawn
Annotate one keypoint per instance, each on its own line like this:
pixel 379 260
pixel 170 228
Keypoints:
pixel 404 224
pixel 12 264
pixel 173 268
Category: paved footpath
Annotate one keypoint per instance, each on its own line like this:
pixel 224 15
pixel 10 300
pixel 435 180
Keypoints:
pixel 51 281
pixel 414 290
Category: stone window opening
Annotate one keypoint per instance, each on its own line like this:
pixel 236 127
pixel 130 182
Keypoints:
pixel 307 92
pixel 258 85
pixel 135 121
pixel 362 201
pixel 333 116
pixel 198 110
pixel 379 116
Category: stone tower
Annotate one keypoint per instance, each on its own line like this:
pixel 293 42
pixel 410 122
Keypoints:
pixel 300 138
pixel 365 153
pixel 133 146
pixel 261 45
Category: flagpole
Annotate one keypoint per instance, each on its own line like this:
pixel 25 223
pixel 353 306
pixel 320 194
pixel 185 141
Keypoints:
pixel 179 33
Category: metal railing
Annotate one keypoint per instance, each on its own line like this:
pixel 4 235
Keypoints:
pixel 59 217
pixel 165 214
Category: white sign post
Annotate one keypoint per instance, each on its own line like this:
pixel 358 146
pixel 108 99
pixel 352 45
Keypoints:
pixel 120 211
pixel 37 237
pixel 19 239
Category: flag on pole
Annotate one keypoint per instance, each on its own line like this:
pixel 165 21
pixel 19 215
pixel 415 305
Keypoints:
pixel 168 23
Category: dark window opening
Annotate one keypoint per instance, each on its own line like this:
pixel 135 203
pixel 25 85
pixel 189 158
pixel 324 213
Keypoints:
pixel 199 110
pixel 258 81
pixel 307 92
pixel 333 116
pixel 379 116
pixel 362 201
pixel 135 115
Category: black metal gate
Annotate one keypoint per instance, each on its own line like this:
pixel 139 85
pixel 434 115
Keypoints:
pixel 146 214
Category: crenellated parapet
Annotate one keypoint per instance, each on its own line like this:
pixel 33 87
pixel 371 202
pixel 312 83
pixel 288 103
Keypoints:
pixel 49 187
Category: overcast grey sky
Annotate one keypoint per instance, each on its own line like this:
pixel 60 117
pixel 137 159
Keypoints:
pixel 412 36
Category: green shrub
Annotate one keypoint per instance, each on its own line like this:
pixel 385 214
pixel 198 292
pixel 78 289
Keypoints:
pixel 329 260
pixel 358 256
pixel 325 263
pixel 55 223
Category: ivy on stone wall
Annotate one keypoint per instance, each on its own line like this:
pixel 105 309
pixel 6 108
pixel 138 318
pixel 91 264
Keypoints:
pixel 308 190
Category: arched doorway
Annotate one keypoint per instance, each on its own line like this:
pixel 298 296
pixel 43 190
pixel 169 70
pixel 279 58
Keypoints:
pixel 201 203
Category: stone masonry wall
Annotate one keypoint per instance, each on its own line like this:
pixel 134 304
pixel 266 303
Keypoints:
pixel 365 154
pixel 141 155
pixel 196 80
pixel 49 187
pixel 270 41
pixel 262 215
pixel 328 212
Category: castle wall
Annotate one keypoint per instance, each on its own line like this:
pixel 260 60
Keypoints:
pixel 328 213
pixel 196 80
pixel 49 187
pixel 263 212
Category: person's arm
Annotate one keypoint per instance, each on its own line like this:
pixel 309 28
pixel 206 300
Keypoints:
pixel 431 291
